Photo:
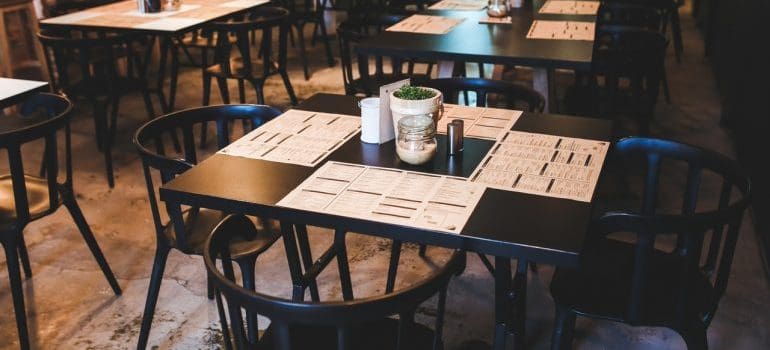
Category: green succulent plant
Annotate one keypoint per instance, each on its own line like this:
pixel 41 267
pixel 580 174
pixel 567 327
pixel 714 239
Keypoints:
pixel 414 93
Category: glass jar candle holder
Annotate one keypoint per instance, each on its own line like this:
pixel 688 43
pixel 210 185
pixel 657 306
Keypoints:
pixel 416 141
pixel 497 8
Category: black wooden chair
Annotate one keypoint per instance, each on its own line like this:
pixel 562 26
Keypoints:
pixel 157 158
pixel 637 280
pixel 669 10
pixel 83 66
pixel 508 94
pixel 625 77
pixel 634 15
pixel 302 13
pixel 242 67
pixel 356 76
pixel 28 198
pixel 363 323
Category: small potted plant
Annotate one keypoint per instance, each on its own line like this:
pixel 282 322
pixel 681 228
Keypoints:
pixel 414 100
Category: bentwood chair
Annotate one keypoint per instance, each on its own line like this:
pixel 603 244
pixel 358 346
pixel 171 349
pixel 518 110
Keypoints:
pixel 83 66
pixel 302 13
pixel 158 158
pixel 356 77
pixel 509 94
pixel 243 68
pixel 628 275
pixel 363 323
pixel 669 10
pixel 625 77
pixel 27 198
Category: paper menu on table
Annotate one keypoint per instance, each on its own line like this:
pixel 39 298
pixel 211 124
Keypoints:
pixel 425 24
pixel 459 5
pixel 545 165
pixel 570 7
pixel 479 122
pixel 296 137
pixel 434 202
pixel 562 30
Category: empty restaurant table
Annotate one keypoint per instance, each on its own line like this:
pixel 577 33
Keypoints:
pixel 169 24
pixel 536 216
pixel 470 35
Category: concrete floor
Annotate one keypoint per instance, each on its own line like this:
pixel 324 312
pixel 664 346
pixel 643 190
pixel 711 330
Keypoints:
pixel 70 305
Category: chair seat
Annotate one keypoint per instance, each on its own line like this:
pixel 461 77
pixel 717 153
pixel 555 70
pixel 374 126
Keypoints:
pixel 601 286
pixel 37 196
pixel 204 221
pixel 380 335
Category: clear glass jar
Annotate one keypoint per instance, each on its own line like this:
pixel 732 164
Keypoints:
pixel 416 142
pixel 497 8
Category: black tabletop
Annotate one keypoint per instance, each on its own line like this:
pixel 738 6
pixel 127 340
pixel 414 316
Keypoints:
pixel 510 224
pixel 471 41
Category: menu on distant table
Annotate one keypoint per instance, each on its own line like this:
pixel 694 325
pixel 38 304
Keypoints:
pixel 545 165
pixel 459 5
pixel 424 24
pixel 570 7
pixel 479 122
pixel 562 30
pixel 427 201
pixel 296 137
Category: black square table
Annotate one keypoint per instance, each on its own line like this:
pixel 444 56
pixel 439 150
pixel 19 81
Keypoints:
pixel 471 41
pixel 508 225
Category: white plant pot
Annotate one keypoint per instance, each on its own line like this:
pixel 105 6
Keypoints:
pixel 400 108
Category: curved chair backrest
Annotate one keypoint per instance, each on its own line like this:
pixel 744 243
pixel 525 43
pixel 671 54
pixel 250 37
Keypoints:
pixel 451 88
pixel 149 142
pixel 94 57
pixel 355 30
pixel 263 19
pixel 690 226
pixel 626 14
pixel 47 114
pixel 343 315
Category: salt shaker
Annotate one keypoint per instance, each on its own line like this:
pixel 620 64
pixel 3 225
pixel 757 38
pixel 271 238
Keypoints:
pixel 454 136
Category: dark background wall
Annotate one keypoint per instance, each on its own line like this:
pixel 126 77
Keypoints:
pixel 738 39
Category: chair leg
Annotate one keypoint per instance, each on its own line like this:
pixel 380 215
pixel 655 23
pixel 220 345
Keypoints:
pixel 487 263
pixel 158 266
pixel 24 256
pixel 664 81
pixel 106 142
pixel 206 100
pixel 72 206
pixel 287 84
pixel 174 76
pixel 210 290
pixel 302 52
pixel 222 83
pixel 247 266
pixel 395 256
pixel 563 328
pixel 325 38
pixel 14 274
pixel 242 92
pixel 676 33
pixel 423 250
pixel 257 84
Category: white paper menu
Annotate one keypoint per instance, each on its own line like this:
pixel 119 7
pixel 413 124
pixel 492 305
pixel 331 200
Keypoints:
pixel 424 24
pixel 545 165
pixel 479 122
pixel 459 5
pixel 296 137
pixel 570 7
pixel 562 30
pixel 428 201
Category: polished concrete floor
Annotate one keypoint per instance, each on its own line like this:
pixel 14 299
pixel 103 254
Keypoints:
pixel 70 305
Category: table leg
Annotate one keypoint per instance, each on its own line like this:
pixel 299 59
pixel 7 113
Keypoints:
pixel 445 69
pixel 292 257
pixel 174 75
pixel 307 258
pixel 165 43
pixel 519 300
pixel 502 301
pixel 541 82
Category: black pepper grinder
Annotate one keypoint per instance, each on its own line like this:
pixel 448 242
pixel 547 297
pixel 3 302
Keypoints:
pixel 454 136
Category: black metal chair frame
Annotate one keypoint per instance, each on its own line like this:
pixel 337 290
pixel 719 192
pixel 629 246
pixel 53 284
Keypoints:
pixel 196 220
pixel 694 288
pixel 58 110
pixel 303 12
pixel 342 315
pixel 104 88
